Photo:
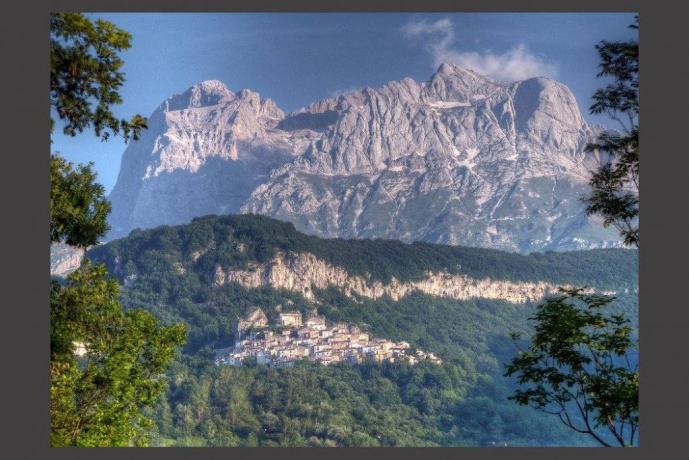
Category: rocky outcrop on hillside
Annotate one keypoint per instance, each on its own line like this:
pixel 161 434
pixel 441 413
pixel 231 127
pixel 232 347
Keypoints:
pixel 64 259
pixel 460 159
pixel 304 272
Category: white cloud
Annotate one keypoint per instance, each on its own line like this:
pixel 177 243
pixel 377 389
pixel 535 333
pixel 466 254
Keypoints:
pixel 423 27
pixel 518 63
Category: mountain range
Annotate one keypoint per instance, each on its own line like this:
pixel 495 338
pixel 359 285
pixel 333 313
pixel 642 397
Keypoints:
pixel 459 159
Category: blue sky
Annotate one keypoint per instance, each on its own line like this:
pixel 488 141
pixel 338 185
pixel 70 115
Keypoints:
pixel 296 59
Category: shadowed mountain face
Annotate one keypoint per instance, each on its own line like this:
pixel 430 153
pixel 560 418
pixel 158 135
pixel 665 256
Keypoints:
pixel 459 159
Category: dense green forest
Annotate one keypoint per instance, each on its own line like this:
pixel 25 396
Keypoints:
pixel 169 271
pixel 261 237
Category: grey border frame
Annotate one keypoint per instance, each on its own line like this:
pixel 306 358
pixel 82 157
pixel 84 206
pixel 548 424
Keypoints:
pixel 24 189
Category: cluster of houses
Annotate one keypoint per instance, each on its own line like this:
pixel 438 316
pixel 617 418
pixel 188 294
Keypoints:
pixel 296 337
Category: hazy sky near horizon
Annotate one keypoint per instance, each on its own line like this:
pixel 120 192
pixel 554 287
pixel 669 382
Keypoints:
pixel 296 59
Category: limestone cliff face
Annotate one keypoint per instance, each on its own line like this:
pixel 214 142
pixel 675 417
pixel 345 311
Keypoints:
pixel 303 272
pixel 64 259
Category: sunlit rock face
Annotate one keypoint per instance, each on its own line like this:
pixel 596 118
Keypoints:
pixel 459 159
pixel 64 259
pixel 304 273
pixel 204 152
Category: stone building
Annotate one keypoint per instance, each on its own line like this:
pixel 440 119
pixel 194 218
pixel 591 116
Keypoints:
pixel 315 321
pixel 256 319
pixel 290 319
pixel 314 340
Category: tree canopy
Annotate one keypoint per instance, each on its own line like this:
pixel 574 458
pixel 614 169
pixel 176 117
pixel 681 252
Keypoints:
pixel 615 194
pixel 85 79
pixel 106 364
pixel 580 364
pixel 85 76
pixel 78 207
pixel 578 367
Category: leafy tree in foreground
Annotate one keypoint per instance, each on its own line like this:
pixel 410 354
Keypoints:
pixel 106 364
pixel 85 78
pixel 85 75
pixel 578 367
pixel 78 207
pixel 615 194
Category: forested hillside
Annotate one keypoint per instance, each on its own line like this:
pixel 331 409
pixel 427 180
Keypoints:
pixel 170 272
pixel 235 240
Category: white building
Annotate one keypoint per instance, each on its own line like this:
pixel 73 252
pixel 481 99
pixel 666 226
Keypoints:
pixel 290 319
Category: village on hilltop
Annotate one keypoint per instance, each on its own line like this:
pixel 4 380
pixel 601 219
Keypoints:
pixel 294 338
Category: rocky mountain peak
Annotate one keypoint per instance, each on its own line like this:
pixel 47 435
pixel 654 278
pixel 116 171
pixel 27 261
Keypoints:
pixel 454 83
pixel 448 69
pixel 204 94
pixel 204 141
pixel 543 101
pixel 460 159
